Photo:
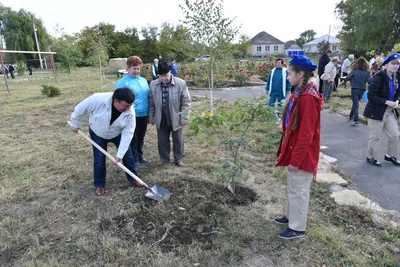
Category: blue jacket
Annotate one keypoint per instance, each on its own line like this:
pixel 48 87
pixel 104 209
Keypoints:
pixel 141 89
pixel 276 87
pixel 174 69
pixel 358 79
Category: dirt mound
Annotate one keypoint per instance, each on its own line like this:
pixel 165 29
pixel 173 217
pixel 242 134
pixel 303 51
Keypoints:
pixel 195 212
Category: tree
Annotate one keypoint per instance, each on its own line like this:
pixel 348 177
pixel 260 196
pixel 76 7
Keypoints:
pixel 17 32
pixel 175 42
pixel 150 34
pixel 241 49
pixel 369 25
pixel 323 46
pixel 126 43
pixel 306 37
pixel 208 26
pixel 68 53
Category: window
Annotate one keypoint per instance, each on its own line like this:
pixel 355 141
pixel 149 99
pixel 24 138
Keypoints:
pixel 275 48
pixel 258 48
pixel 334 47
pixel 267 48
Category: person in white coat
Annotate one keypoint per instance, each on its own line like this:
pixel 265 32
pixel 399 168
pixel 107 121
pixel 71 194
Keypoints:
pixel 328 77
pixel 112 119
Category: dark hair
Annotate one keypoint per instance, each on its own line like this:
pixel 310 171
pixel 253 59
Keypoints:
pixel 279 59
pixel 329 51
pixel 360 64
pixel 307 75
pixel 124 94
pixel 172 59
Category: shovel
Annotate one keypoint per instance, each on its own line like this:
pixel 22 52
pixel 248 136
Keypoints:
pixel 156 192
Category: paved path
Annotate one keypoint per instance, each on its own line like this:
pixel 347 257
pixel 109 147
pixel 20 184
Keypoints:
pixel 349 145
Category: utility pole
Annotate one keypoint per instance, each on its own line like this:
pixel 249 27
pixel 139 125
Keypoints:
pixel 37 45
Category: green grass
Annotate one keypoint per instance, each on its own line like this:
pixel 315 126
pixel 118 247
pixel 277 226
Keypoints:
pixel 49 215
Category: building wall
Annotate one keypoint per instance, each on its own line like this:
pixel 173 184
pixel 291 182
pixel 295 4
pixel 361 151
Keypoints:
pixel 314 48
pixel 262 50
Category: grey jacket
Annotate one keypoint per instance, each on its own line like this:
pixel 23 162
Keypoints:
pixel 179 102
pixel 358 79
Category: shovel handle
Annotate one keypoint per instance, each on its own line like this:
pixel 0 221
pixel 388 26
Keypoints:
pixel 111 157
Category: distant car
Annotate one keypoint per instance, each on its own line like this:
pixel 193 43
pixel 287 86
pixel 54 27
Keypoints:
pixel 203 58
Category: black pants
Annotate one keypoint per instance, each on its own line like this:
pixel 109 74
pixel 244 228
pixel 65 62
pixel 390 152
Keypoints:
pixel 321 84
pixel 356 95
pixel 138 137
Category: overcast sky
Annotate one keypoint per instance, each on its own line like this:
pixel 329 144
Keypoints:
pixel 284 19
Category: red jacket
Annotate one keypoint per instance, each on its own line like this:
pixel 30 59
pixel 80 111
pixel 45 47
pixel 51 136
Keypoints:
pixel 301 147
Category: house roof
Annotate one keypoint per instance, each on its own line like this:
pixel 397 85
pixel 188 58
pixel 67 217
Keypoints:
pixel 332 40
pixel 265 38
pixel 289 44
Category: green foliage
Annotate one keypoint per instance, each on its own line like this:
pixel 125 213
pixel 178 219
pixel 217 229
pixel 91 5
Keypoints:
pixel 50 90
pixel 230 126
pixel 68 53
pixel 306 37
pixel 21 68
pixel 17 30
pixel 323 46
pixel 175 42
pixel 368 25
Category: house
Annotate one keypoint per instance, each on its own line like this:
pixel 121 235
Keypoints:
pixel 292 48
pixel 312 46
pixel 264 44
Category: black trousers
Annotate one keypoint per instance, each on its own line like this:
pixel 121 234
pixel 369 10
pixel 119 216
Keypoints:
pixel 321 84
pixel 138 137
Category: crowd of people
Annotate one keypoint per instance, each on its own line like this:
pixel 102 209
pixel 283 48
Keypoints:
pixel 122 117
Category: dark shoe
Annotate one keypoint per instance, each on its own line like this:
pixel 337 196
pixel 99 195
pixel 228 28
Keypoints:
pixel 144 161
pixel 136 183
pixel 180 163
pixel 355 123
pixel 374 161
pixel 137 165
pixel 291 234
pixel 281 220
pixel 100 191
pixel 349 118
pixel 392 160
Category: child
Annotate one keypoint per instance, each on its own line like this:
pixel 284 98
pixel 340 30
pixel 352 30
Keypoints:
pixel 300 143
pixel 358 78
pixel 382 111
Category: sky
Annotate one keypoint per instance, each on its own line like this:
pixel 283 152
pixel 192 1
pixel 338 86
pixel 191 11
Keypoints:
pixel 283 19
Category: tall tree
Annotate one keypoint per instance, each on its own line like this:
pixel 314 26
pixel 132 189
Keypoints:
pixel 18 34
pixel 206 22
pixel 369 25
pixel 126 43
pixel 306 37
pixel 175 42
pixel 149 41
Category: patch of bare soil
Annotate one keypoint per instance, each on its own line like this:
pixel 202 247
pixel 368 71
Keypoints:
pixel 194 213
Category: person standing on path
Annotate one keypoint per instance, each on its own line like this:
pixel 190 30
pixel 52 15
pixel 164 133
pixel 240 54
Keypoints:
pixel 277 86
pixel 154 69
pixel 328 78
pixel 346 67
pixel 300 144
pixel 382 111
pixel 174 68
pixel 323 61
pixel 359 76
pixel 112 119
pixel 141 89
pixel 169 111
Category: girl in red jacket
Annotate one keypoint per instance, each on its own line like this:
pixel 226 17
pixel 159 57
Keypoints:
pixel 300 143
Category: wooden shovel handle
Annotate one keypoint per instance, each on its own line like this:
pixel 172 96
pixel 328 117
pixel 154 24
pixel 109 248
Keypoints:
pixel 111 157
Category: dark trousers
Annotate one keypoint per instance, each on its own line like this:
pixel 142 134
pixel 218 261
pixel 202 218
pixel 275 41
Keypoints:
pixel 275 96
pixel 164 144
pixel 12 74
pixel 138 137
pixel 344 74
pixel 99 162
pixel 356 95
pixel 321 84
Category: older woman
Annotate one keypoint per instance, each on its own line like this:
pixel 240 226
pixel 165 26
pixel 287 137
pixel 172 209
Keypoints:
pixel 382 111
pixel 141 89
pixel 329 77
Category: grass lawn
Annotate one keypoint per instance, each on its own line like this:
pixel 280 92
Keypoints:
pixel 50 216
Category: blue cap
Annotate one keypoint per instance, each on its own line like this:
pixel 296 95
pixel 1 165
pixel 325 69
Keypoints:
pixel 303 62
pixel 390 58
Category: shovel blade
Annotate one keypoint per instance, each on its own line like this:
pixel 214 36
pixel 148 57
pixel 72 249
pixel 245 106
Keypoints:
pixel 158 193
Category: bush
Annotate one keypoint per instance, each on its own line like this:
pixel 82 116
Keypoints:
pixel 21 68
pixel 50 91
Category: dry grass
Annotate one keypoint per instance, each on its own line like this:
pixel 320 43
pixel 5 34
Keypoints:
pixel 49 215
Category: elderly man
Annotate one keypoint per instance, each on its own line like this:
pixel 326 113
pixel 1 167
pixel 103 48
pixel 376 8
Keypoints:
pixel 112 119
pixel 169 111
pixel 154 69
pixel 346 67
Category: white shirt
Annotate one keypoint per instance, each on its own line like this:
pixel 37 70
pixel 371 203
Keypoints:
pixel 99 107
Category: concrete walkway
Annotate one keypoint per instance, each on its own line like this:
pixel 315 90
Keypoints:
pixel 348 145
